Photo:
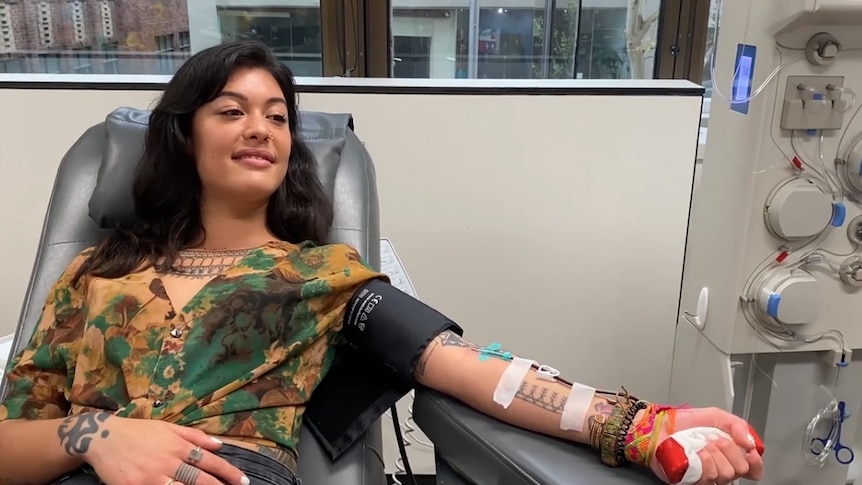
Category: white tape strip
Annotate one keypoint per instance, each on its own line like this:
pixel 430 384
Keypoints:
pixel 692 440
pixel 511 381
pixel 575 411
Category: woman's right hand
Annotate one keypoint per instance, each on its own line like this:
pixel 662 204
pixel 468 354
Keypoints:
pixel 145 452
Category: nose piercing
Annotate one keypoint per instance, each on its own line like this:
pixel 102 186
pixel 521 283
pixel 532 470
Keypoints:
pixel 268 137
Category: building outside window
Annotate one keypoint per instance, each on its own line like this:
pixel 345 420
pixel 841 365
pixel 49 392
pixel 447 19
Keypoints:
pixel 293 33
pixel 482 39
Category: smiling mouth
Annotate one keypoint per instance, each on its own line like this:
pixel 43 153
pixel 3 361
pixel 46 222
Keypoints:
pixel 253 158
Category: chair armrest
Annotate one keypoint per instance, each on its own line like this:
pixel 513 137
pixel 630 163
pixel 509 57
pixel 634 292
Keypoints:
pixel 486 450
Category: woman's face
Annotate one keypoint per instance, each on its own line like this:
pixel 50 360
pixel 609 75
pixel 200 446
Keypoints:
pixel 241 139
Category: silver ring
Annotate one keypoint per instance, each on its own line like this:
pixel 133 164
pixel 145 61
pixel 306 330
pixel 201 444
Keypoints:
pixel 195 455
pixel 187 474
pixel 170 482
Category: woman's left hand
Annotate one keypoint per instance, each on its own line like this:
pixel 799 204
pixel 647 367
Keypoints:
pixel 723 460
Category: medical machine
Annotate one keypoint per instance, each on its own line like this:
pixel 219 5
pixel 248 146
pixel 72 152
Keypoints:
pixel 772 285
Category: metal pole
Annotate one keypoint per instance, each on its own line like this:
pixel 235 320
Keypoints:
pixel 473 41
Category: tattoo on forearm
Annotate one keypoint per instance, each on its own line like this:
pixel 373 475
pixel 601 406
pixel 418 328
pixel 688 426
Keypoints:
pixel 603 407
pixel 450 339
pixel 445 339
pixel 542 397
pixel 77 433
pixel 423 361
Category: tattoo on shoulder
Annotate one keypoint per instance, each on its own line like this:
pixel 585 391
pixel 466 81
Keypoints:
pixel 541 396
pixel 77 433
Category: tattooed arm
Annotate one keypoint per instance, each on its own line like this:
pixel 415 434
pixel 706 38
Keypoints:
pixel 451 365
pixel 39 451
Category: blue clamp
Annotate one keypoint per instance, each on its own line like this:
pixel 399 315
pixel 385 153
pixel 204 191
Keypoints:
pixel 494 350
pixel 839 214
pixel 772 305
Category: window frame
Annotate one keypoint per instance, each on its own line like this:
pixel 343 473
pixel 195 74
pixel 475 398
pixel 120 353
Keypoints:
pixel 355 38
pixel 681 39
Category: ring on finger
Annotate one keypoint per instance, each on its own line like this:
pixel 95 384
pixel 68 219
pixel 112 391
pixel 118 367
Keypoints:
pixel 187 474
pixel 170 482
pixel 195 455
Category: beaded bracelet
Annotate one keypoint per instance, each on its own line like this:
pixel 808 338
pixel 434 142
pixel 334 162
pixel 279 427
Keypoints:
pixel 608 433
pixel 611 430
pixel 623 431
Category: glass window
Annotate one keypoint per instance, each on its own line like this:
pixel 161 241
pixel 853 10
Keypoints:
pixel 292 32
pixel 150 36
pixel 469 39
pixel 524 39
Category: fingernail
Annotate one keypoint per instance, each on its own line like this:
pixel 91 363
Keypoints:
pixel 758 443
pixel 750 439
pixel 244 480
pixel 216 440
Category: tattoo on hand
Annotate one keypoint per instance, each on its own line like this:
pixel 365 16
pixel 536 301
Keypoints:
pixel 77 433
pixel 542 397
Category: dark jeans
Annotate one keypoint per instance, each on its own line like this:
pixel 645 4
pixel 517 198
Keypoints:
pixel 260 469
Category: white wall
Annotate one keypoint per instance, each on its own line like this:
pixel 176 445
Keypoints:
pixel 559 235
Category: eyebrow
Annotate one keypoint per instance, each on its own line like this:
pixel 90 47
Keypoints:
pixel 242 97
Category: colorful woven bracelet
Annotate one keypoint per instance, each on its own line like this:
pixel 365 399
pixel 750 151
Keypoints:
pixel 625 427
pixel 642 437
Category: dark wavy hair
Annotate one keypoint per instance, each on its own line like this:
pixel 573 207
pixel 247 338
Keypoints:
pixel 167 188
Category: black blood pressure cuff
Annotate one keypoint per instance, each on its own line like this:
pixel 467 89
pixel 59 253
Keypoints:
pixel 387 331
pixel 392 327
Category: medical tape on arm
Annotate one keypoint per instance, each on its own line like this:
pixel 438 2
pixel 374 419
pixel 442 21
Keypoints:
pixel 576 408
pixel 511 381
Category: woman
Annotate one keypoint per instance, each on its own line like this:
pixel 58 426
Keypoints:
pixel 182 351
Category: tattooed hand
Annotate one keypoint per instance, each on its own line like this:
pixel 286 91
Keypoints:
pixel 145 452
pixel 77 433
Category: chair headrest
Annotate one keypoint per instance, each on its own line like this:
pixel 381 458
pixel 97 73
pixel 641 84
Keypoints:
pixel 111 203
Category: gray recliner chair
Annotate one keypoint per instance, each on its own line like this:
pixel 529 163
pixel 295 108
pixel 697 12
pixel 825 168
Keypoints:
pixel 470 447
pixel 78 207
